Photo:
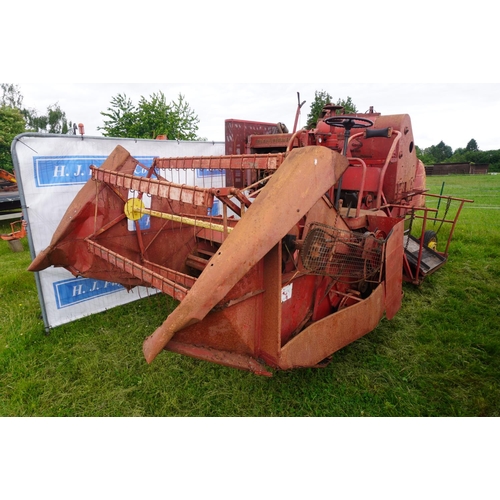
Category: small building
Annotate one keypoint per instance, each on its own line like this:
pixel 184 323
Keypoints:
pixel 457 168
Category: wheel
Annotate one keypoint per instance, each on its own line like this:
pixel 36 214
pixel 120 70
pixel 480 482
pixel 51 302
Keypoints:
pixel 348 122
pixel 430 240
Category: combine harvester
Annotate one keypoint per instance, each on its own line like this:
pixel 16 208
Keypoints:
pixel 307 253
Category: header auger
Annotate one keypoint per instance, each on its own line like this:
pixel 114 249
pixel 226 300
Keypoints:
pixel 307 253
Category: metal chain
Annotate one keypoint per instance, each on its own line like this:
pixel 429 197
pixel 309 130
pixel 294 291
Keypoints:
pixel 412 217
pixel 448 204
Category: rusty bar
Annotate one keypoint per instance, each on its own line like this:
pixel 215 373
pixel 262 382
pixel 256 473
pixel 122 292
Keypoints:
pixel 384 168
pixel 156 280
pixel 227 162
pixel 140 241
pixel 449 198
pixel 224 358
pixel 454 224
pixel 421 248
pixel 227 201
pixel 109 225
pixel 186 194
pixel 236 193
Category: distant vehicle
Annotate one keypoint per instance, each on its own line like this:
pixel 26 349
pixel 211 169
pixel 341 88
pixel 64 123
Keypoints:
pixel 7 181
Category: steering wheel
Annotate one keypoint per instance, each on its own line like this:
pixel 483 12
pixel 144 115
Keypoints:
pixel 348 122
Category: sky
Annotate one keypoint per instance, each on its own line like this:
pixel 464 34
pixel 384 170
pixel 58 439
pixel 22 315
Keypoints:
pixel 256 48
pixel 451 112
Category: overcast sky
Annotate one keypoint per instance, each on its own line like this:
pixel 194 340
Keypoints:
pixel 450 112
pixel 265 41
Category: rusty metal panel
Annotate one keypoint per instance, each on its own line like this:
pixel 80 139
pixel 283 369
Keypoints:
pixel 237 133
pixel 269 141
pixel 268 341
pixel 323 338
pixel 81 210
pixel 351 181
pixel 232 324
pixel 297 302
pixel 394 271
pixel 255 235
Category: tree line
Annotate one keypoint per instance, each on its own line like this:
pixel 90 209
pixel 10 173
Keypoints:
pixel 149 118
pixel 155 116
pixel 16 119
pixel 441 153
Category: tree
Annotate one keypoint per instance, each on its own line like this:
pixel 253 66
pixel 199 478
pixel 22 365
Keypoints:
pixel 150 118
pixel 54 122
pixel 11 124
pixel 14 120
pixel 439 153
pixel 472 146
pixel 348 105
pixel 183 120
pixel 425 157
pixel 11 121
pixel 11 96
pixel 321 99
pixel 153 117
pixel 121 117
pixel 442 152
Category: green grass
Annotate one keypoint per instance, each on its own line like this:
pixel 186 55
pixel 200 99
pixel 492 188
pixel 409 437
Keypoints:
pixel 438 357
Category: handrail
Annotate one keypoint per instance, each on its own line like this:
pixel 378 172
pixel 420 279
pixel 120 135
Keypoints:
pixel 386 164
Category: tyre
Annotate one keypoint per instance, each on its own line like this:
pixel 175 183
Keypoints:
pixel 430 240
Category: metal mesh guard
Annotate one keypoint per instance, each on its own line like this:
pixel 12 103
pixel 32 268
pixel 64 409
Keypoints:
pixel 343 255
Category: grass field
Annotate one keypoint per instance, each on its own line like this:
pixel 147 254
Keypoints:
pixel 438 357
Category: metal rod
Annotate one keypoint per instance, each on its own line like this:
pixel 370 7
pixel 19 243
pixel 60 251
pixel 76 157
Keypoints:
pixel 183 220
pixel 440 198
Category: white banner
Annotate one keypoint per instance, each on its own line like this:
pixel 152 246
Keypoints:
pixel 50 170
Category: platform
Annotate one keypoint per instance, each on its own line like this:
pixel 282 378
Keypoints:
pixel 431 260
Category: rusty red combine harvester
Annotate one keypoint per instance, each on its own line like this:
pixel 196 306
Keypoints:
pixel 309 252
